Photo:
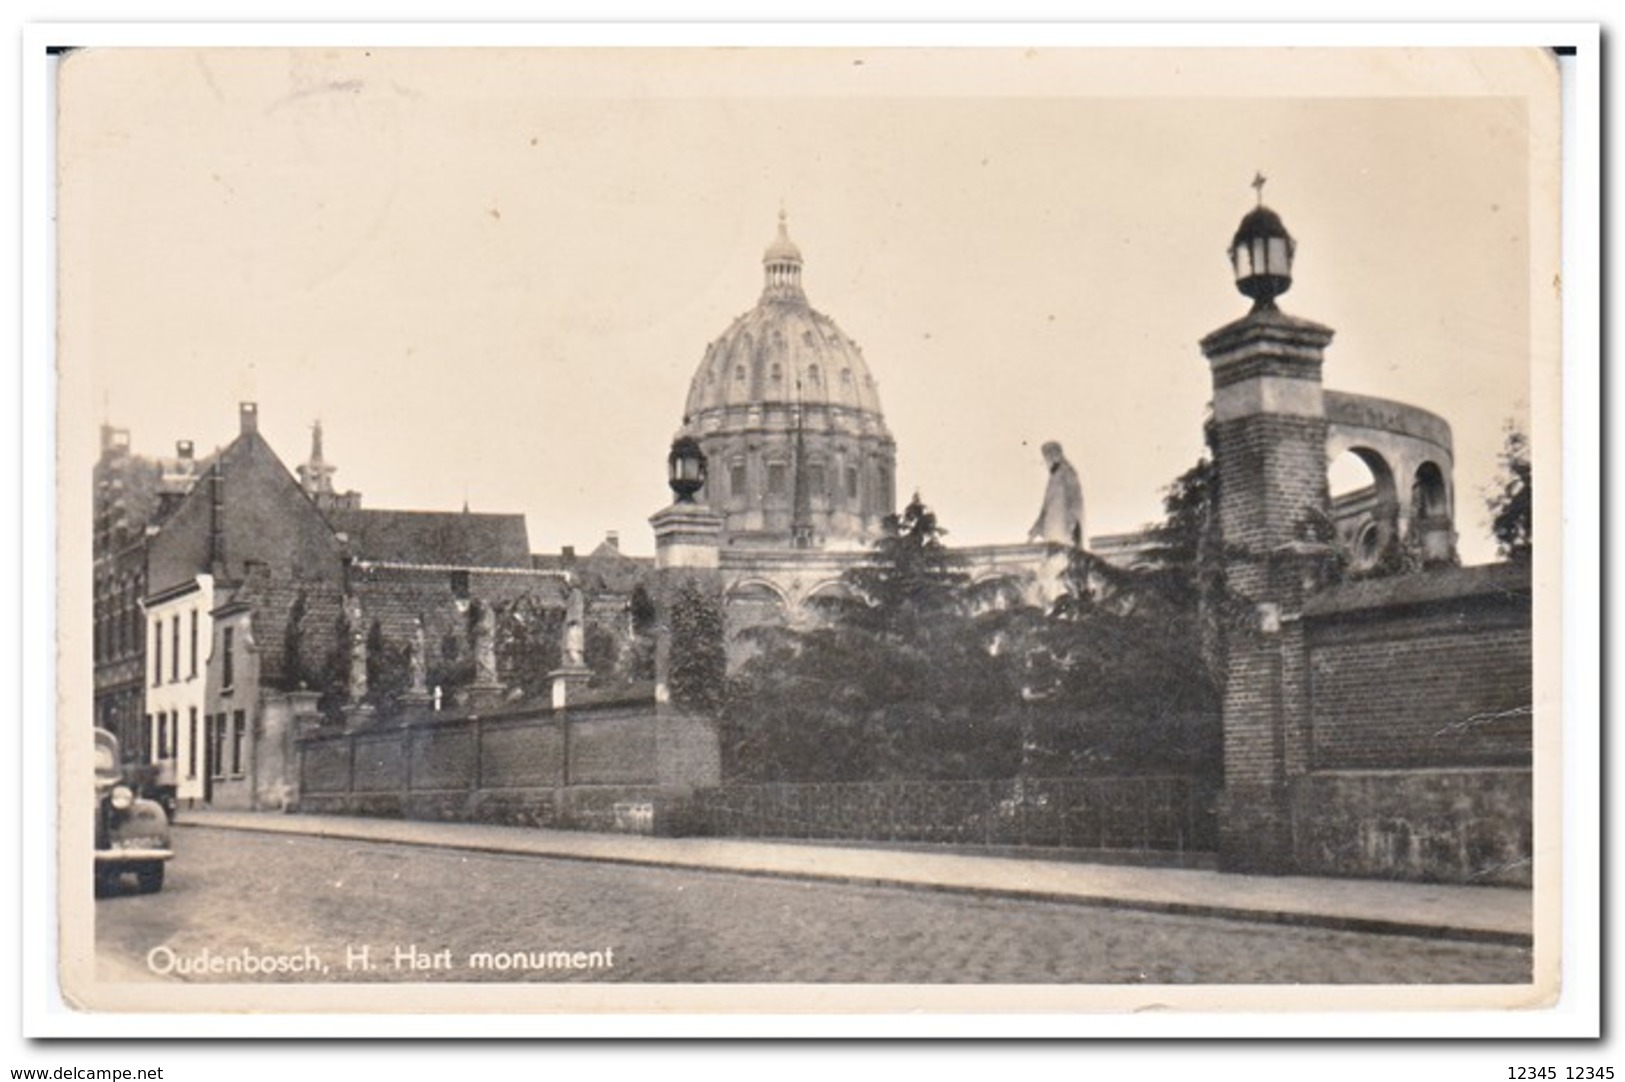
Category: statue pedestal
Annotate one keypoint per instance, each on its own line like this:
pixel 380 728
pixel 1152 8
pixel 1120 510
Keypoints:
pixel 358 716
pixel 482 697
pixel 566 680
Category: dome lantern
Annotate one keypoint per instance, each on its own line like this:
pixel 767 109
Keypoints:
pixel 781 267
pixel 1261 253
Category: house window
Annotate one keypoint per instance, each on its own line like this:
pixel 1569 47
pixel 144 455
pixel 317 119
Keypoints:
pixel 736 478
pixel 157 652
pixel 775 478
pixel 228 661
pixel 459 585
pixel 175 647
pixel 194 643
pixel 191 743
pixel 162 751
pixel 217 746
pixel 239 729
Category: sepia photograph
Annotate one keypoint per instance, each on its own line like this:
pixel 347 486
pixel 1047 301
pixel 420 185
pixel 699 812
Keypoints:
pixel 845 529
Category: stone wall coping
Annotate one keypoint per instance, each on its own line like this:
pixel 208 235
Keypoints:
pixel 591 704
pixel 1399 771
pixel 1507 582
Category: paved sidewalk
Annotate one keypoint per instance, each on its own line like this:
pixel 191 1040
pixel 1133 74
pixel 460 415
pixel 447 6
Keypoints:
pixel 1488 914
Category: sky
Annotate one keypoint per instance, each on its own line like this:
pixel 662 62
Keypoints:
pixel 492 273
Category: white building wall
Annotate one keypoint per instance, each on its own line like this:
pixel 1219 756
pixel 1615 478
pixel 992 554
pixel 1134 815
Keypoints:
pixel 177 684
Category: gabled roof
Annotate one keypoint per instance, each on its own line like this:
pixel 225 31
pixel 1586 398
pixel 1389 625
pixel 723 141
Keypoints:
pixel 453 539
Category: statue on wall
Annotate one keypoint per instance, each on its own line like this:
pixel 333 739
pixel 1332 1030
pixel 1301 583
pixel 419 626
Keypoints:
pixel 1060 520
pixel 418 662
pixel 485 646
pixel 358 648
pixel 575 651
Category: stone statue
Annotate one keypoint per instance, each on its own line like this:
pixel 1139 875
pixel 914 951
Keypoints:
pixel 418 662
pixel 485 646
pixel 575 652
pixel 1060 522
pixel 358 649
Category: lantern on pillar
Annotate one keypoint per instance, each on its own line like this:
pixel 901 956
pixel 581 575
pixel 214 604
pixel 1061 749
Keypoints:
pixel 685 468
pixel 1261 254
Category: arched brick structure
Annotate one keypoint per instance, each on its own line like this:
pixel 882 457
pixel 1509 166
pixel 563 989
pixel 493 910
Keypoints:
pixel 1409 453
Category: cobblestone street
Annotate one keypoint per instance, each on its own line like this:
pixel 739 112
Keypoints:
pixel 270 895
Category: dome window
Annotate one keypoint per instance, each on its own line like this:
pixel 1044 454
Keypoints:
pixel 846 376
pixel 852 483
pixel 778 373
pixel 739 373
pixel 776 476
pixel 812 373
pixel 736 478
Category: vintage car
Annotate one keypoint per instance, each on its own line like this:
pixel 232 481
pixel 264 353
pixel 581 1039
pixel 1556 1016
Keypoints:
pixel 132 833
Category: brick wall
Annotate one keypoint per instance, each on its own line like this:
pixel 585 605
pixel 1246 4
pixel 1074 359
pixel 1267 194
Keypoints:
pixel 1430 670
pixel 581 768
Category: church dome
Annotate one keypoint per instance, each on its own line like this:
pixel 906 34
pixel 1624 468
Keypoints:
pixel 788 413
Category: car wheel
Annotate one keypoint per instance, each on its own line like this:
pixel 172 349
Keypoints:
pixel 150 879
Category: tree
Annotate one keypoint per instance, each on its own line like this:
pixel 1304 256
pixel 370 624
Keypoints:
pixel 295 674
pixel 1511 501
pixel 333 681
pixel 898 682
pixel 388 670
pixel 913 580
pixel 918 674
pixel 699 653
pixel 528 644
pixel 645 621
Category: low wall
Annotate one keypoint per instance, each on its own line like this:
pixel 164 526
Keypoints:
pixel 1455 826
pixel 1169 814
pixel 629 767
pixel 1419 728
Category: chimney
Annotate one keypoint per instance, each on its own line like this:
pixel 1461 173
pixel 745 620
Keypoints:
pixel 248 416
pixel 217 521
pixel 183 450
pixel 569 553
pixel 612 538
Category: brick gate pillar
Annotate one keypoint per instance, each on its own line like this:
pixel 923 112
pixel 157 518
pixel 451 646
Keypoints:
pixel 1270 452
